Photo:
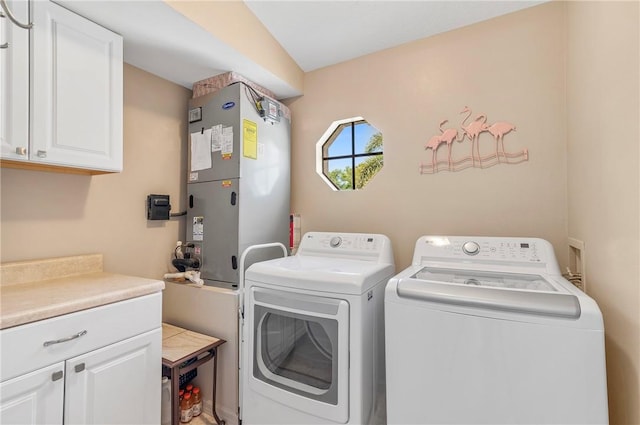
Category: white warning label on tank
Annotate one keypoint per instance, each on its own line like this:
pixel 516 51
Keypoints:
pixel 198 228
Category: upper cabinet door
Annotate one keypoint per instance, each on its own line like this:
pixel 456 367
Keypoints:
pixel 76 96
pixel 14 84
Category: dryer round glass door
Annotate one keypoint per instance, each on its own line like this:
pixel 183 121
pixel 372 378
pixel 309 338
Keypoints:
pixel 297 352
pixel 300 346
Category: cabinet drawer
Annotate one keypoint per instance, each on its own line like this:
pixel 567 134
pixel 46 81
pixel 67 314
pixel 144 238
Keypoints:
pixel 22 347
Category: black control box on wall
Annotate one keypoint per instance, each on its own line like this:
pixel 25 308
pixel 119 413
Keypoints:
pixel 158 207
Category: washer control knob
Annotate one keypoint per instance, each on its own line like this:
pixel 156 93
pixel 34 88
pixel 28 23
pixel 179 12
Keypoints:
pixel 335 241
pixel 471 248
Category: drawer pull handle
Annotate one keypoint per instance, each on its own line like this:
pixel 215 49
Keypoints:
pixel 56 376
pixel 69 338
pixel 79 367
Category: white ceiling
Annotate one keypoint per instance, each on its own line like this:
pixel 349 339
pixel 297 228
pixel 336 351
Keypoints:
pixel 315 33
pixel 325 32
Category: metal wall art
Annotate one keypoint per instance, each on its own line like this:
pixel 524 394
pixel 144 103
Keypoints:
pixel 472 131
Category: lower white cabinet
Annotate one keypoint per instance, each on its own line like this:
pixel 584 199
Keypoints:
pixel 115 384
pixel 34 398
pixel 97 366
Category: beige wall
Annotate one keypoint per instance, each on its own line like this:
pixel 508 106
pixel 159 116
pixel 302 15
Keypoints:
pixel 49 214
pixel 566 74
pixel 511 68
pixel 603 180
pixel 245 33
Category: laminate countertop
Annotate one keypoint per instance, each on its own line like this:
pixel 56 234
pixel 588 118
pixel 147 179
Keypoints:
pixel 41 289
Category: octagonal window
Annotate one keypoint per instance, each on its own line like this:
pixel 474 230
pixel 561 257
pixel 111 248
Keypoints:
pixel 349 154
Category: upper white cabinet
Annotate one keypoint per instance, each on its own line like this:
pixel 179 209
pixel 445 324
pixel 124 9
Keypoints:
pixel 14 84
pixel 75 93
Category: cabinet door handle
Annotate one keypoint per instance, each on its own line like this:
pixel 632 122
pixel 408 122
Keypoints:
pixel 69 338
pixel 42 154
pixel 21 151
pixel 79 367
pixel 3 45
pixel 12 18
pixel 56 376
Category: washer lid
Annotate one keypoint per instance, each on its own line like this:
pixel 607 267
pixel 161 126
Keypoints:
pixel 522 293
pixel 528 282
pixel 334 275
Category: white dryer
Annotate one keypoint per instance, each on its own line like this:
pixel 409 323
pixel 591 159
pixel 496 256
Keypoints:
pixel 486 331
pixel 313 344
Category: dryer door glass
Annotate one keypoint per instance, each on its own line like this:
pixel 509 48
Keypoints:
pixel 298 351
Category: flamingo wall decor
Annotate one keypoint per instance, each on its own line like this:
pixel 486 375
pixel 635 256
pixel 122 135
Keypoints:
pixel 471 131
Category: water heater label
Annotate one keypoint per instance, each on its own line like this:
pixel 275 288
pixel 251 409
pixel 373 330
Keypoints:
pixel 198 228
pixel 249 139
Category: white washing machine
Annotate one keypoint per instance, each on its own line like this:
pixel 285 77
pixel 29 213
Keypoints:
pixel 485 330
pixel 313 344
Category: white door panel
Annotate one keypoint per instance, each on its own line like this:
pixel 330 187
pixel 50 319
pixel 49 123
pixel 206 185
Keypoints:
pixel 298 352
pixel 14 85
pixel 76 104
pixel 33 398
pixel 118 384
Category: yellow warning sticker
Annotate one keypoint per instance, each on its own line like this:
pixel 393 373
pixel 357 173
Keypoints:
pixel 249 139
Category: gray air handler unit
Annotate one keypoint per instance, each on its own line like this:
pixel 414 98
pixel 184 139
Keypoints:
pixel 239 180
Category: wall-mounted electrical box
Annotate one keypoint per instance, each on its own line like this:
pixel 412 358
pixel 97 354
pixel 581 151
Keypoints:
pixel 269 110
pixel 158 207
pixel 577 269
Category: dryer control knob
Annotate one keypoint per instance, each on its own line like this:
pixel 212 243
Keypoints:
pixel 335 241
pixel 471 248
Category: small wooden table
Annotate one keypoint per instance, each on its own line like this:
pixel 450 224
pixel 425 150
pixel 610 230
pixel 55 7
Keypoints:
pixel 180 345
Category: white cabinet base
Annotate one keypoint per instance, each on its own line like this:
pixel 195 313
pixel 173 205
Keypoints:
pixel 102 365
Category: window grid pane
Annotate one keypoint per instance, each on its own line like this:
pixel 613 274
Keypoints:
pixel 363 134
pixel 352 155
pixel 340 144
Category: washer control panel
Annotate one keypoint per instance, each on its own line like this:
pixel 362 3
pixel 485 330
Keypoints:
pixel 491 250
pixel 361 246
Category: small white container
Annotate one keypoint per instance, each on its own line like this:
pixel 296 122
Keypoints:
pixel 165 417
